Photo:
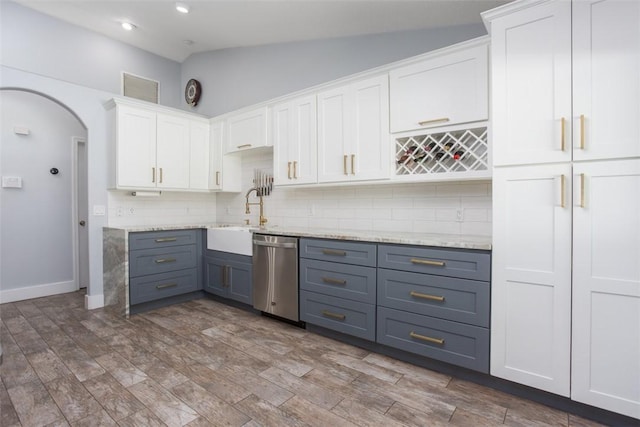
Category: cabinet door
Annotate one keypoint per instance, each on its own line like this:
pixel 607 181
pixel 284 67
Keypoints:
pixel 334 134
pixel 531 286
pixel 370 154
pixel 239 281
pixel 606 286
pixel 247 130
pixel 606 63
pixel 448 89
pixel 215 158
pixel 282 135
pixel 215 276
pixel 531 85
pixel 199 156
pixel 172 152
pixel 136 148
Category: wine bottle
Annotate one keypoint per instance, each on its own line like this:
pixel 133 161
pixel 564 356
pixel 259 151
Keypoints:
pixel 458 154
pixel 439 155
pixel 448 146
pixel 430 147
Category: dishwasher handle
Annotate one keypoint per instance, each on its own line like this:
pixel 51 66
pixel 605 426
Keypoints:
pixel 275 245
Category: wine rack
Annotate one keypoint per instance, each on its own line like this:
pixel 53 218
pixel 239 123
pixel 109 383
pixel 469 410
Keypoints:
pixel 455 151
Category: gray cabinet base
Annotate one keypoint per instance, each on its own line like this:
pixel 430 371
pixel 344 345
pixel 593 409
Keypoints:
pixel 152 305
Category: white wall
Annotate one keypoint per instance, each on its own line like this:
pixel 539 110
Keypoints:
pixel 168 208
pixel 236 78
pixel 420 208
pixel 40 44
pixel 37 219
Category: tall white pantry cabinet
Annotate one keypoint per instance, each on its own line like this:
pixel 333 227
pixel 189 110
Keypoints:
pixel 566 191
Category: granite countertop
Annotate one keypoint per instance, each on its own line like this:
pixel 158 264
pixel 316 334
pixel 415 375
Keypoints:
pixel 406 238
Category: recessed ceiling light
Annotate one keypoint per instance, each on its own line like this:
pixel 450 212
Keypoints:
pixel 182 7
pixel 128 26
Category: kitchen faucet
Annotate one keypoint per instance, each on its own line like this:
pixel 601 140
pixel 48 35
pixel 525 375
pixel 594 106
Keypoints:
pixel 262 220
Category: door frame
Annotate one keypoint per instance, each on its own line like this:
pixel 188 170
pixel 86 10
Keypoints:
pixel 75 236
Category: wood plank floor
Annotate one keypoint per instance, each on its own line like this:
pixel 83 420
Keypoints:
pixel 203 363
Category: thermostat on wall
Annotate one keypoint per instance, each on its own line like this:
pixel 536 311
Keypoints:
pixel 11 182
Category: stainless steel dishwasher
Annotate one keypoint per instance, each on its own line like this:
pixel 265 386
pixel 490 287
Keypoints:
pixel 275 275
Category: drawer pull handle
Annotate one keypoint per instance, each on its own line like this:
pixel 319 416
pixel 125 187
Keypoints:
pixel 288 170
pixel 217 177
pixel 428 122
pixel 334 252
pixel 334 281
pixel 333 315
pixel 295 169
pixel 164 260
pixel 426 338
pixel 166 285
pixel 166 239
pixel 426 296
pixel 244 146
pixel 427 262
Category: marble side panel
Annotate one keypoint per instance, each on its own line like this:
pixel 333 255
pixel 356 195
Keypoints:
pixel 115 270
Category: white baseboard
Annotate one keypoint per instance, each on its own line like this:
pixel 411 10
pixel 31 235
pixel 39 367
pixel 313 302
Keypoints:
pixel 36 291
pixel 93 301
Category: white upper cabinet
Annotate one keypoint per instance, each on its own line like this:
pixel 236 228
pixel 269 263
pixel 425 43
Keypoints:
pixel 294 135
pixel 606 79
pixel 172 152
pixel 224 170
pixel 247 130
pixel 531 85
pixel 158 148
pixel 353 136
pixel 199 155
pixel 135 148
pixel 449 88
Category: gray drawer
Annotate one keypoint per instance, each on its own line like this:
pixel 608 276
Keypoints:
pixel 339 251
pixel 162 260
pixel 349 317
pixel 461 300
pixel 353 282
pixel 473 265
pixel 461 345
pixel 161 239
pixel 157 286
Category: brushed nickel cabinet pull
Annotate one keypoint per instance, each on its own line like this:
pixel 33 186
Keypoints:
pixel 426 296
pixel 327 313
pixel 334 281
pixel 166 285
pixel 153 175
pixel 224 276
pixel 334 252
pixel 353 164
pixel 160 176
pixel 295 169
pixel 228 275
pixel 217 177
pixel 582 131
pixel 166 239
pixel 426 338
pixel 288 170
pixel 428 122
pixel 165 260
pixel 562 132
pixel 427 262
pixel 344 165
pixel 243 146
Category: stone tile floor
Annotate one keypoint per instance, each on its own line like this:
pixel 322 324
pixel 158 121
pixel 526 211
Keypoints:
pixel 203 363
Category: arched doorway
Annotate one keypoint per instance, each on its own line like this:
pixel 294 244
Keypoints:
pixel 42 156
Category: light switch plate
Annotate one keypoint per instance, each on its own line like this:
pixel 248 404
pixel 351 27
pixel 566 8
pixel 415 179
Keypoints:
pixel 11 182
pixel 99 210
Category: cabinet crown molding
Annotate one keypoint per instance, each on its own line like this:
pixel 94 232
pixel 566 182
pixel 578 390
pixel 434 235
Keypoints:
pixel 508 9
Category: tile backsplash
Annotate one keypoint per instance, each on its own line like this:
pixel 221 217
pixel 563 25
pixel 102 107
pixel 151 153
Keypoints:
pixel 168 208
pixel 453 208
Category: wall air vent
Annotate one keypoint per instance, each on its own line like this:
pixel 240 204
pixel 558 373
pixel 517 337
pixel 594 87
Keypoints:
pixel 140 88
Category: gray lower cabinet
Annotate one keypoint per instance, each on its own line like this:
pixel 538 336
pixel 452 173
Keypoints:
pixel 164 264
pixel 338 286
pixel 435 302
pixel 228 275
